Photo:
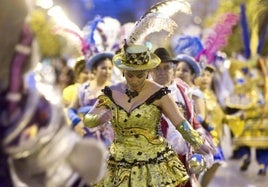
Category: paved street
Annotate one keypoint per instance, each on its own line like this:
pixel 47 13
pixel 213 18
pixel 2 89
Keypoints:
pixel 229 175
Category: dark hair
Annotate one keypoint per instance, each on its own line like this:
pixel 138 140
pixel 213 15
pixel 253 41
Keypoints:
pixel 79 67
pixel 213 81
pixel 71 75
pixel 192 69
pixel 209 69
pixel 68 75
pixel 98 62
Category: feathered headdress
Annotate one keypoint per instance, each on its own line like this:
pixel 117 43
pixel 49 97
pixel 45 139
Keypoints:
pixel 89 31
pixel 102 34
pixel 259 26
pixel 245 30
pixel 158 18
pixel 190 45
pixel 217 37
pixel 125 32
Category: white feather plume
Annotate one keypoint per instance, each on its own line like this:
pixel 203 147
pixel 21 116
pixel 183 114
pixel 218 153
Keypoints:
pixel 158 18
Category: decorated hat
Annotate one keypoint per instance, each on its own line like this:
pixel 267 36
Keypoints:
pixel 95 58
pixel 190 61
pixel 136 57
pixel 163 54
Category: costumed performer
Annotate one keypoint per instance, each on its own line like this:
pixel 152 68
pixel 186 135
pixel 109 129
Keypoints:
pixel 213 122
pixel 164 74
pixel 101 66
pixel 139 155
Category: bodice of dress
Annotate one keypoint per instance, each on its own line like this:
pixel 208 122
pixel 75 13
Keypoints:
pixel 136 131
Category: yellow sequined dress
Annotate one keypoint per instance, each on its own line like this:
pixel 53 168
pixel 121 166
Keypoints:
pixel 139 156
pixel 214 115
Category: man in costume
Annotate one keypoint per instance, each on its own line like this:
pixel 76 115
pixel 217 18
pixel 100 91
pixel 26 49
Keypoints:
pixel 164 74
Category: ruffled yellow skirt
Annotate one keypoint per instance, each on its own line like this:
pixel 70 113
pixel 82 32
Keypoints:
pixel 165 170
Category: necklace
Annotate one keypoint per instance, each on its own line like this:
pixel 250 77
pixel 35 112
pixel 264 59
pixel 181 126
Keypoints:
pixel 131 94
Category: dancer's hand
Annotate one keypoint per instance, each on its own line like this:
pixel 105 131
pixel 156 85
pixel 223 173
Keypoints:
pixel 104 116
pixel 206 148
pixel 207 139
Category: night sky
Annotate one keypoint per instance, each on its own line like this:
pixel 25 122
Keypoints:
pixel 82 11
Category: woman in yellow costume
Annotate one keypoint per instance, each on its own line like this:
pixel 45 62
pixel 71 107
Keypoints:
pixel 139 155
pixel 81 76
pixel 249 127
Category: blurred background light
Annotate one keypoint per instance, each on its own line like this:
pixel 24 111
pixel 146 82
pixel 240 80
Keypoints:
pixel 46 4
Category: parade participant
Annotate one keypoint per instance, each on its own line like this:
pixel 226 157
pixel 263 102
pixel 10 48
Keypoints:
pixel 101 66
pixel 188 70
pixel 81 76
pixel 164 74
pixel 37 147
pixel 213 121
pixel 252 130
pixel 139 155
pixel 64 74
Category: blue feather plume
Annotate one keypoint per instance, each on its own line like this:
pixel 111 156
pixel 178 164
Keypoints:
pixel 190 45
pixel 245 31
pixel 93 26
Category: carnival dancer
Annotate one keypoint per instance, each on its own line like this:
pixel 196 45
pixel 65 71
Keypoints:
pixel 139 155
pixel 213 122
pixel 249 98
pixel 188 70
pixel 101 66
pixel 81 75
pixel 164 74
